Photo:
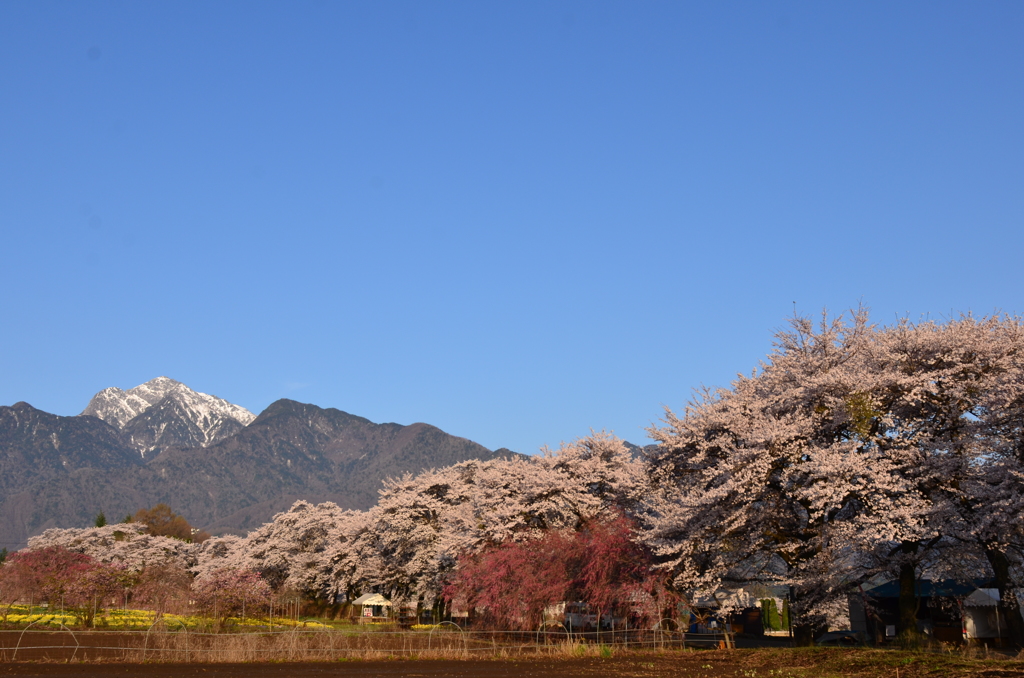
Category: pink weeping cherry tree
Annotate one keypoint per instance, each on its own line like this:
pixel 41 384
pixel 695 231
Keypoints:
pixel 600 564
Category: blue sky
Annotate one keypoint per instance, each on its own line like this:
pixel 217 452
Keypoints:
pixel 515 221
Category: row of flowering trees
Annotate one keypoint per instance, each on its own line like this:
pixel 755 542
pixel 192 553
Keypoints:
pixel 409 545
pixel 72 580
pixel 853 452
pixel 83 586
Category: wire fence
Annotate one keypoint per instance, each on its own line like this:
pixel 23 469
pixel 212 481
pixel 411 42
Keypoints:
pixel 176 643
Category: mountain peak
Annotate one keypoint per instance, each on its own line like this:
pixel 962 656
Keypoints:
pixel 163 412
pixel 154 390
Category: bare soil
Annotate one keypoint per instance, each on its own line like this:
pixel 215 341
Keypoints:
pixel 789 663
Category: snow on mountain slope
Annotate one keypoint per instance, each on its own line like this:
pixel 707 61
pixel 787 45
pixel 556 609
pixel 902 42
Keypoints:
pixel 164 412
pixel 117 407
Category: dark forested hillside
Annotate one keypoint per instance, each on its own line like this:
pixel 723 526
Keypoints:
pixel 38 445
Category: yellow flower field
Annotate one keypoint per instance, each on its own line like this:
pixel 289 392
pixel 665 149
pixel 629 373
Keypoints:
pixel 21 615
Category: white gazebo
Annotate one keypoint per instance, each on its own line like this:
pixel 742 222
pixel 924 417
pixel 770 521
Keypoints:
pixel 372 607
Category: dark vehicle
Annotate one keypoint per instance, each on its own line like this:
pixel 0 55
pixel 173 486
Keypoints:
pixel 842 639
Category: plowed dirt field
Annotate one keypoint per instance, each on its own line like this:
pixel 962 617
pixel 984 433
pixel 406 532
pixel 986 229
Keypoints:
pixel 699 664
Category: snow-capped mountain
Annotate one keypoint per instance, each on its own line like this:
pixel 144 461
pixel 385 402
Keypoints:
pixel 163 413
pixel 117 407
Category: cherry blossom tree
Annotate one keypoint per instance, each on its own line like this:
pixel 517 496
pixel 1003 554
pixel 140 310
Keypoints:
pixel 763 481
pixel 423 524
pixel 617 573
pixel 854 450
pixel 49 573
pixel 310 549
pixel 16 583
pixel 965 384
pixel 74 581
pixel 92 587
pixel 163 587
pixel 129 544
pixel 600 564
pixel 227 593
pixel 217 553
pixel 513 582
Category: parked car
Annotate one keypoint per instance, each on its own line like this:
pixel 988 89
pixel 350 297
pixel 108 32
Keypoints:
pixel 577 616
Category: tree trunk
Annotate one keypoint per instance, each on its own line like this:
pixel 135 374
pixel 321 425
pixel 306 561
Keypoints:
pixel 909 635
pixel 804 634
pixel 1007 595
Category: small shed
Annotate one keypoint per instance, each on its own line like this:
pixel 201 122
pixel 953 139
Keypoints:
pixel 372 607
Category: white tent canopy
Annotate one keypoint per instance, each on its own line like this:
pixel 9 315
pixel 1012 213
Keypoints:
pixel 983 598
pixel 373 599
